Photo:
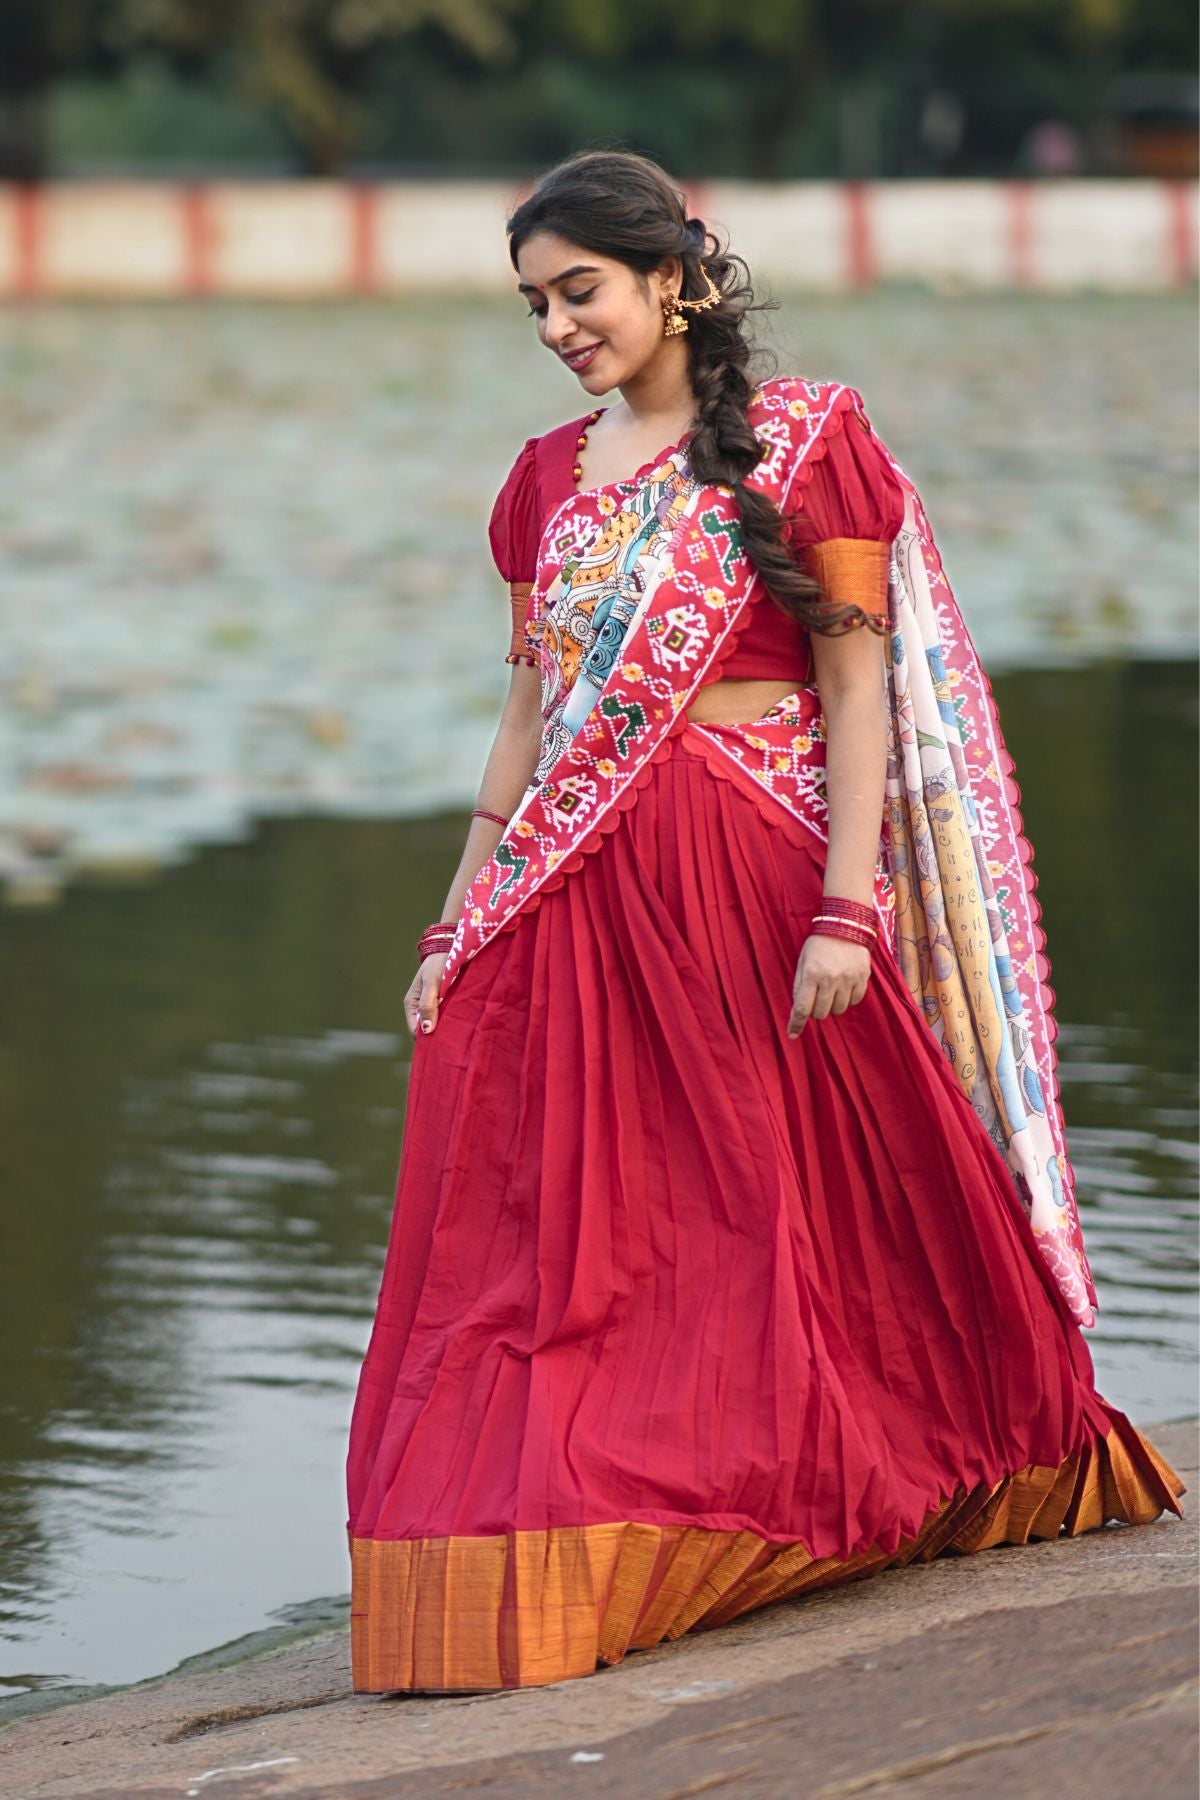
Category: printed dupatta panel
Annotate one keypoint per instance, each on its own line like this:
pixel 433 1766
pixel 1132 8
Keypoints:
pixel 967 933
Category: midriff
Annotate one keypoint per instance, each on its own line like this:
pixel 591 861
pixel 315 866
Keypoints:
pixel 730 702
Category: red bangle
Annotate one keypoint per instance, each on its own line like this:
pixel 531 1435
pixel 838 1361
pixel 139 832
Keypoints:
pixel 481 812
pixel 848 909
pixel 435 938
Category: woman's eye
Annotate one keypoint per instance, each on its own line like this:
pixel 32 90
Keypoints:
pixel 539 311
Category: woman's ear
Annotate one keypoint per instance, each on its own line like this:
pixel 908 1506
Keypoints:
pixel 669 277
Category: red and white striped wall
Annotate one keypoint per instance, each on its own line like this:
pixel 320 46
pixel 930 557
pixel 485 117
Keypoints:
pixel 308 239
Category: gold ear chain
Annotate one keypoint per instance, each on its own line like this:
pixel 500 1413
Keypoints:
pixel 673 319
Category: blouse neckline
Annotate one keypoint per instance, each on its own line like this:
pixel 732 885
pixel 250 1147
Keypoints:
pixel 602 487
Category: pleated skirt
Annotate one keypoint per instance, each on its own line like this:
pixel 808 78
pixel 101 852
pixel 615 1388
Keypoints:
pixel 680 1316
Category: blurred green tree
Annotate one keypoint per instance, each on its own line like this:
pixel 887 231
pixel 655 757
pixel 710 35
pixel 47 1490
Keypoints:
pixel 303 59
pixel 824 86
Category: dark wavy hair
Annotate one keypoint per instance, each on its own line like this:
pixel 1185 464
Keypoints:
pixel 626 207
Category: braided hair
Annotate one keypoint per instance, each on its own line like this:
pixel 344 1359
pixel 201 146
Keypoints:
pixel 624 206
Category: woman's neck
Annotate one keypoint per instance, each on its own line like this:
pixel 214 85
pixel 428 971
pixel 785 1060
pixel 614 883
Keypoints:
pixel 658 395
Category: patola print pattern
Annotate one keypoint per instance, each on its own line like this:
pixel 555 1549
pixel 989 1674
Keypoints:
pixel 641 589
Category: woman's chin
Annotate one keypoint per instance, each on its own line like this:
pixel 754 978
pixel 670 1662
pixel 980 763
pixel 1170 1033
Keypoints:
pixel 599 376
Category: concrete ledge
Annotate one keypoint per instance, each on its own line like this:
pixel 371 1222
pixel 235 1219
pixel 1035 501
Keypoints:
pixel 1065 1668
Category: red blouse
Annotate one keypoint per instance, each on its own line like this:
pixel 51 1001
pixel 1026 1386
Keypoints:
pixel 841 523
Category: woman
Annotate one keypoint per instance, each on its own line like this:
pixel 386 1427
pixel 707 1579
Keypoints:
pixel 735 1251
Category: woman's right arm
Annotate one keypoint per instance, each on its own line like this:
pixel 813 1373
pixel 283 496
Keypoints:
pixel 507 773
pixel 513 532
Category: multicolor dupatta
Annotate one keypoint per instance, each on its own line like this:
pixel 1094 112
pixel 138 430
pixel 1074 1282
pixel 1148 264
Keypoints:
pixel 642 587
pixel 968 937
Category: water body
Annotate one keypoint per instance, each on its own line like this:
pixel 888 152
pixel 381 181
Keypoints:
pixel 203 1049
pixel 201 1116
pixel 245 573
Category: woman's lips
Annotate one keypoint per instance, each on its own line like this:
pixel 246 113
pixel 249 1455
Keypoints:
pixel 579 359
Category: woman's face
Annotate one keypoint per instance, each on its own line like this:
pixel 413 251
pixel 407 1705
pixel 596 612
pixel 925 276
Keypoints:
pixel 593 312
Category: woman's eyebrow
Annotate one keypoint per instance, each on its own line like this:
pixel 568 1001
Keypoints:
pixel 529 287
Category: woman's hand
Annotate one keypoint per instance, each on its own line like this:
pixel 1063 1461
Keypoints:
pixel 421 1000
pixel 831 975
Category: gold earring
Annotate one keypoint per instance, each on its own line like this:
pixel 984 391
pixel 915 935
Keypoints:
pixel 673 319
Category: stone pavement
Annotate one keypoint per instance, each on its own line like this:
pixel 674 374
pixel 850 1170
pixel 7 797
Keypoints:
pixel 1066 1668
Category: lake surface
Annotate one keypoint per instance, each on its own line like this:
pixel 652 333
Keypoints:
pixel 205 1067
pixel 244 571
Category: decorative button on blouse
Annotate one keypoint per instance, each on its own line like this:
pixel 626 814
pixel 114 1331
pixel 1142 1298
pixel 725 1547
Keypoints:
pixel 581 441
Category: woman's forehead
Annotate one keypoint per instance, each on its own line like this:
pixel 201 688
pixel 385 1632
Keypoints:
pixel 545 260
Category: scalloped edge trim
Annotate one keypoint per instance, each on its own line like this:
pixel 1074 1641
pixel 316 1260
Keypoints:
pixel 801 836
pixel 592 842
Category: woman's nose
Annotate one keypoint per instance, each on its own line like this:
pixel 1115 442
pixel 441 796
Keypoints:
pixel 559 327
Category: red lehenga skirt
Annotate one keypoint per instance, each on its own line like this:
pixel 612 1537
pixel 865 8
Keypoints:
pixel 681 1316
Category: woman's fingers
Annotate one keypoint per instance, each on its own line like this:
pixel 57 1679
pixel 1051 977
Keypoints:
pixel 422 999
pixel 428 1006
pixel 807 996
pixel 810 995
pixel 823 997
pixel 411 999
pixel 817 993
pixel 802 998
pixel 430 976
pixel 846 992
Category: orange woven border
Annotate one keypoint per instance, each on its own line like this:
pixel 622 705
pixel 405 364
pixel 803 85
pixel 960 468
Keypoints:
pixel 525 1608
pixel 852 571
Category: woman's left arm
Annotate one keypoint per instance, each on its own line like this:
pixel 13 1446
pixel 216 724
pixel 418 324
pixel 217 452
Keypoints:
pixel 832 973
pixel 849 513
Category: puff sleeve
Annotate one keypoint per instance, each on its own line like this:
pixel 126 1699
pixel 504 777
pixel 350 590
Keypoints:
pixel 842 522
pixel 513 532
